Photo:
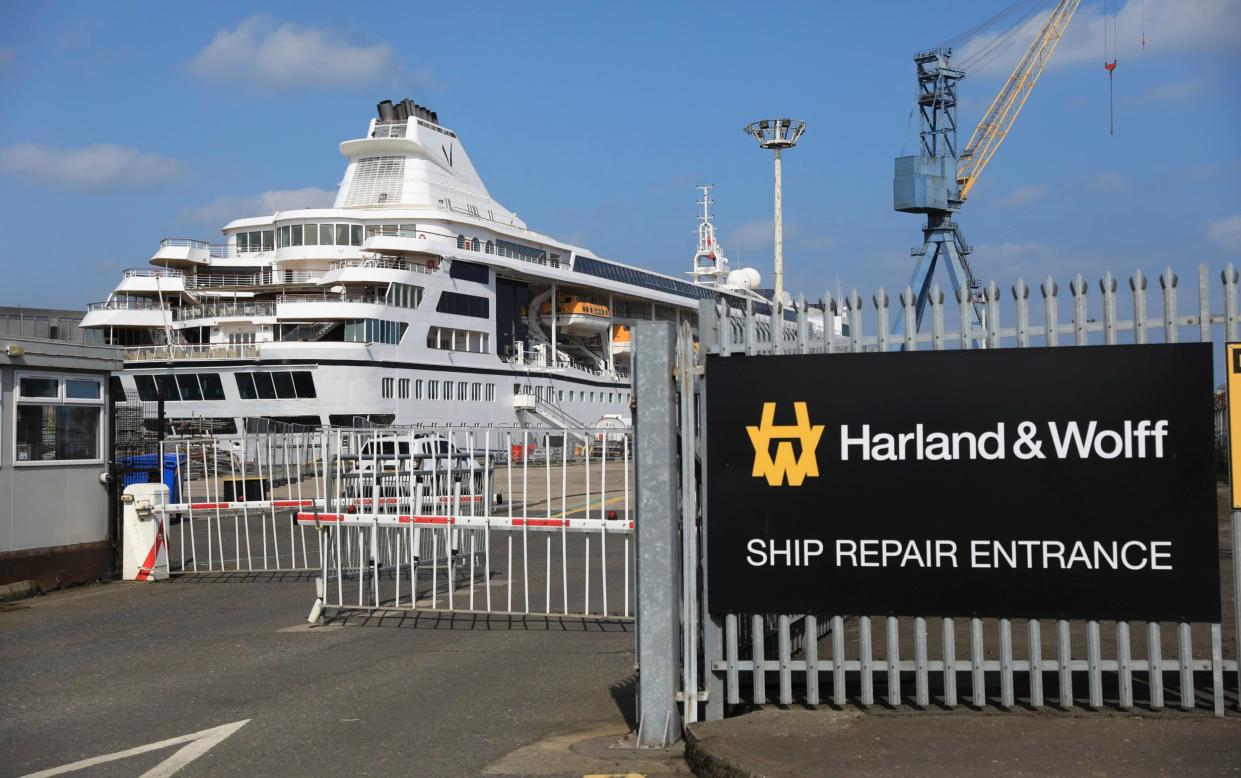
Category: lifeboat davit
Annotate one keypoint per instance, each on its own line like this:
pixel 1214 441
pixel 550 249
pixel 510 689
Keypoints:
pixel 576 316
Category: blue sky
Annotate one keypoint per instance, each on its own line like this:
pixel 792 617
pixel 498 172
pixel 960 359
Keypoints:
pixel 130 122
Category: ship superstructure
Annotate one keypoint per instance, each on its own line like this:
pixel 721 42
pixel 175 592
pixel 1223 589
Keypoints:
pixel 416 298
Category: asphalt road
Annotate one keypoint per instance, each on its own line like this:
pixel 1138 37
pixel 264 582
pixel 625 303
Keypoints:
pixel 97 670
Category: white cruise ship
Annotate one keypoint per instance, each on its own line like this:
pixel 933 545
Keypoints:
pixel 415 299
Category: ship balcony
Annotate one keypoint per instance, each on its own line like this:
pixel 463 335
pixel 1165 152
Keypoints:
pixel 233 310
pixel 310 307
pixel 182 252
pixel 131 312
pixel 151 281
pixel 179 352
pixel 405 243
pixel 265 278
pixel 376 269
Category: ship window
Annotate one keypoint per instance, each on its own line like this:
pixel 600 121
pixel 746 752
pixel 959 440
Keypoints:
pixel 267 389
pixel 326 235
pixel 433 390
pixel 476 392
pixel 491 393
pixel 463 304
pixel 385 388
pixel 460 241
pixel 167 388
pixel 402 389
pixel 284 386
pixel 418 389
pixel 269 240
pixel 468 271
pixel 355 234
pixel 295 235
pixel 312 234
pixel 243 242
pixel 212 388
pixel 447 386
pixel 463 391
pixel 146 388
pixel 304 383
pixel 404 295
pixel 190 391
pixel 342 235
pixel 560 396
pixel 245 386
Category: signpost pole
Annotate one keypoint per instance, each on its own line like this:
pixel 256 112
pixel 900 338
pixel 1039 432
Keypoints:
pixel 658 552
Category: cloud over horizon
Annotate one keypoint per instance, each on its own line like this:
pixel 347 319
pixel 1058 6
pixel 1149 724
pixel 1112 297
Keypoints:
pixel 1170 26
pixel 95 167
pixel 224 209
pixel 1226 233
pixel 275 57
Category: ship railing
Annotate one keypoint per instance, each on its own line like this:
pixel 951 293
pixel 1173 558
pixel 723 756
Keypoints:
pixel 151 272
pixel 196 351
pixel 127 304
pixel 330 298
pixel 190 242
pixel 391 231
pixel 383 263
pixel 262 278
pixel 224 309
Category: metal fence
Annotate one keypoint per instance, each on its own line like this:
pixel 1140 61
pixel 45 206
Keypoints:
pixel 924 661
pixel 489 520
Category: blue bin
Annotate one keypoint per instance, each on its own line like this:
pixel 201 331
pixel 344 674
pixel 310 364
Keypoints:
pixel 140 467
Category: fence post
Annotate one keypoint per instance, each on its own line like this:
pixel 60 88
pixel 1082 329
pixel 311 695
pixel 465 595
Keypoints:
pixel 658 552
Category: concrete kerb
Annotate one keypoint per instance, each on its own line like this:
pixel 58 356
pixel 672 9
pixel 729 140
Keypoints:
pixel 18 590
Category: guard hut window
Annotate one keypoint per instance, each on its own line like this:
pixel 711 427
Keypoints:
pixel 58 419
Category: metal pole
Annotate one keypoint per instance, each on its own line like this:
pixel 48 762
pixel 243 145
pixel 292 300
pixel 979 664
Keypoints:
pixel 655 433
pixel 778 303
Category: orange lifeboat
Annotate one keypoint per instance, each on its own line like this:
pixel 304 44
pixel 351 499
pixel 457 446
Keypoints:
pixel 576 316
pixel 622 342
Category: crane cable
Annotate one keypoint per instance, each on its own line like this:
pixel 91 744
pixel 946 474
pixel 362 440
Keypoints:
pixel 1110 66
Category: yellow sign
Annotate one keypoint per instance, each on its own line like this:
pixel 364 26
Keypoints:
pixel 1232 363
pixel 796 468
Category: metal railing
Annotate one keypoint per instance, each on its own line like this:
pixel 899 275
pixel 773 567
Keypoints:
pixel 175 351
pixel 130 304
pixel 327 297
pixel 151 272
pixel 382 263
pixel 190 242
pixel 231 308
pixel 264 277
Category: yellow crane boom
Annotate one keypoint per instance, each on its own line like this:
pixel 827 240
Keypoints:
pixel 1003 111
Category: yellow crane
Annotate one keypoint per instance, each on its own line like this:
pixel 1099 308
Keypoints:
pixel 937 181
pixel 1003 111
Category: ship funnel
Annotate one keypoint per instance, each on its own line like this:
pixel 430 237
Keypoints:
pixel 386 112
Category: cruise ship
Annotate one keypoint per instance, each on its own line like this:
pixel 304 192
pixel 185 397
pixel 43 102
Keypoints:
pixel 416 299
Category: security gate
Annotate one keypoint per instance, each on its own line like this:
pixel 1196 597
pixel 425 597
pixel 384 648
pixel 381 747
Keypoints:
pixel 485 520
pixel 816 658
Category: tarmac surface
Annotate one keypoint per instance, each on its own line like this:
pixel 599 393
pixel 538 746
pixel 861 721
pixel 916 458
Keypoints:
pixel 103 669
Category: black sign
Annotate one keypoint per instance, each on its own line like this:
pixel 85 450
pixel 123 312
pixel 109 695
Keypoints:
pixel 1037 483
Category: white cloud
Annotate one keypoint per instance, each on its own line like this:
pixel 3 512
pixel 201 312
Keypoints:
pixel 1109 183
pixel 1176 90
pixel 224 209
pixel 1170 25
pixel 266 56
pixel 101 166
pixel 1226 233
pixel 1022 196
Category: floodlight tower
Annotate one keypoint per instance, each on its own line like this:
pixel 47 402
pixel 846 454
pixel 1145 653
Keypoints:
pixel 778 135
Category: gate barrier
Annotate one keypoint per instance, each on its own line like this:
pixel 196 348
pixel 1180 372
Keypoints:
pixel 415 519
pixel 732 659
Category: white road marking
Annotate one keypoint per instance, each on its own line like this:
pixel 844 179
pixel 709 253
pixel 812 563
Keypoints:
pixel 197 744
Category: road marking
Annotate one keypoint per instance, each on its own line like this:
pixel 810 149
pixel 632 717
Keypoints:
pixel 197 744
